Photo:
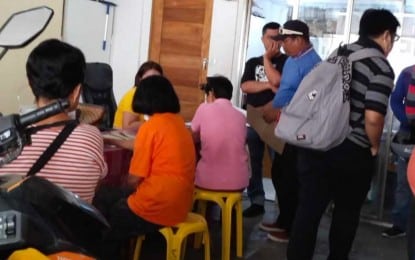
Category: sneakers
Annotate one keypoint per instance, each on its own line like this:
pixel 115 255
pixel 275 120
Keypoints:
pixel 278 236
pixel 254 210
pixel 393 232
pixel 269 227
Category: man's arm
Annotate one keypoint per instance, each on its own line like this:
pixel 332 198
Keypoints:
pixel 374 122
pixel 273 75
pixel 252 86
pixel 398 96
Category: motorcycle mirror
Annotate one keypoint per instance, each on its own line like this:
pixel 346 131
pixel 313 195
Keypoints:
pixel 23 27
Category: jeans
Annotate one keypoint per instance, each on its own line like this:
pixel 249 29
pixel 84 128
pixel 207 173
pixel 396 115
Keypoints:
pixel 256 148
pixel 403 196
pixel 342 175
pixel 411 231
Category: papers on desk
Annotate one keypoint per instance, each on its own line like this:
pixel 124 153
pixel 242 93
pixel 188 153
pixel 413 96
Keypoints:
pixel 117 135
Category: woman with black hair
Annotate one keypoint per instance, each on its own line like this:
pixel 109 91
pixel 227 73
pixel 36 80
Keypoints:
pixel 161 169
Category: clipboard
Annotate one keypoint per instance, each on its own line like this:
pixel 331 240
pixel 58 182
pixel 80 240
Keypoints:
pixel 264 129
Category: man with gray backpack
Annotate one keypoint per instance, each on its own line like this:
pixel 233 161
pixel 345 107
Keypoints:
pixel 342 171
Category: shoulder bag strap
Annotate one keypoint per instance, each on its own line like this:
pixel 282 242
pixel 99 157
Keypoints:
pixel 53 147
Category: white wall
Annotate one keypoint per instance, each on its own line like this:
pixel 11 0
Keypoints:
pixel 131 36
pixel 130 42
pixel 13 64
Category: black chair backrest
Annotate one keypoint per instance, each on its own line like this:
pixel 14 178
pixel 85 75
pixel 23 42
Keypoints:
pixel 98 90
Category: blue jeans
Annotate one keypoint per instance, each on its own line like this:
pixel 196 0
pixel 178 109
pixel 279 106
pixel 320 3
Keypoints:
pixel 256 152
pixel 411 231
pixel 403 196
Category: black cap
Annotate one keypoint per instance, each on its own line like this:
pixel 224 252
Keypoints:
pixel 293 28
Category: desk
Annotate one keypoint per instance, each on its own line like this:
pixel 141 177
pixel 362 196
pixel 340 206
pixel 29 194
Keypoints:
pixel 118 162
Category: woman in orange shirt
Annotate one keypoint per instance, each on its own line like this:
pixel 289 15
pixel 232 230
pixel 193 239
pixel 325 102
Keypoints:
pixel 161 169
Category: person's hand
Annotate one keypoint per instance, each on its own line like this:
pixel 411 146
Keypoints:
pixel 270 114
pixel 272 50
pixel 123 143
pixel 374 151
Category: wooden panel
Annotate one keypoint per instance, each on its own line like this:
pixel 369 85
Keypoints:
pixel 185 31
pixel 183 14
pixel 179 46
pixel 180 37
pixel 180 76
pixel 180 61
pixel 189 4
pixel 156 29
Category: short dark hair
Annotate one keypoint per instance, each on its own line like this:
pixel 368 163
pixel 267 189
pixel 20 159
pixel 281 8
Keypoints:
pixel 155 94
pixel 54 69
pixel 375 21
pixel 146 66
pixel 271 25
pixel 220 86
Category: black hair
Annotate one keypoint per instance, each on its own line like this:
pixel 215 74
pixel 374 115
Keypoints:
pixel 220 86
pixel 146 66
pixel 271 25
pixel 54 69
pixel 375 21
pixel 155 94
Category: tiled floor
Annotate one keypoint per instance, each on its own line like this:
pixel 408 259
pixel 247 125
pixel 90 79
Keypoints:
pixel 368 245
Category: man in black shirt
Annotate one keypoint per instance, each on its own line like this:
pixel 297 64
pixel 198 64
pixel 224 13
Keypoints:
pixel 259 82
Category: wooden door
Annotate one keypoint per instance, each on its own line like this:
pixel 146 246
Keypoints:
pixel 180 36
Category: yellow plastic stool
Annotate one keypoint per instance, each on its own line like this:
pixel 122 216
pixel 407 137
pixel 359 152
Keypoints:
pixel 176 237
pixel 227 201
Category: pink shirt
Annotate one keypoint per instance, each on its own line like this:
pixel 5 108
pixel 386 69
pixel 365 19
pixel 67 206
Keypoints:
pixel 224 158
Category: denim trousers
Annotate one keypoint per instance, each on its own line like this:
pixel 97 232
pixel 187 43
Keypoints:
pixel 411 231
pixel 256 148
pixel 403 196
pixel 342 175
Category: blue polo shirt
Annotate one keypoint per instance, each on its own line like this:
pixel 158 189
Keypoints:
pixel 295 69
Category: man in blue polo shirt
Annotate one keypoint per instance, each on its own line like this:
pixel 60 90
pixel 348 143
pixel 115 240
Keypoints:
pixel 295 39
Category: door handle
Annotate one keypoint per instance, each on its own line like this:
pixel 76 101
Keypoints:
pixel 205 63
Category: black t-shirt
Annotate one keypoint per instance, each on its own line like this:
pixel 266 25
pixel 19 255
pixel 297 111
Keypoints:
pixel 254 70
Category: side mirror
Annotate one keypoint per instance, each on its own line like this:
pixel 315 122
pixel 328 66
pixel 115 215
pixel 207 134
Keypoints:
pixel 23 27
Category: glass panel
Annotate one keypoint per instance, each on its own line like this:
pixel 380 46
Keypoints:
pixel 326 20
pixel 262 12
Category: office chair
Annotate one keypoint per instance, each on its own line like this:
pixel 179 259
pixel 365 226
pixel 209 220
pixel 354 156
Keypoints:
pixel 97 89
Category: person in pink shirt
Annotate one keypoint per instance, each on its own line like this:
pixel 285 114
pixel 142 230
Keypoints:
pixel 221 131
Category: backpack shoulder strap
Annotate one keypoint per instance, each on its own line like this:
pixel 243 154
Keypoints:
pixel 53 147
pixel 365 53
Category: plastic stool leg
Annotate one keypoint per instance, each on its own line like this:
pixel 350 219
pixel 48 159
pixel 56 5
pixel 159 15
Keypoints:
pixel 137 249
pixel 206 242
pixel 201 205
pixel 239 229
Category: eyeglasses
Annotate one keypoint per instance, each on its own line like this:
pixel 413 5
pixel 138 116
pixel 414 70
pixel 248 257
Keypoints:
pixel 396 38
pixel 284 31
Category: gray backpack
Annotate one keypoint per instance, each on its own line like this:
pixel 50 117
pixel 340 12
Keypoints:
pixel 318 115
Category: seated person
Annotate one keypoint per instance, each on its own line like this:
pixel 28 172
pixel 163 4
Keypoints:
pixel 55 70
pixel 221 130
pixel 161 170
pixel 125 118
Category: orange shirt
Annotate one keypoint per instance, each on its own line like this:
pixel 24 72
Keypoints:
pixel 411 172
pixel 164 155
